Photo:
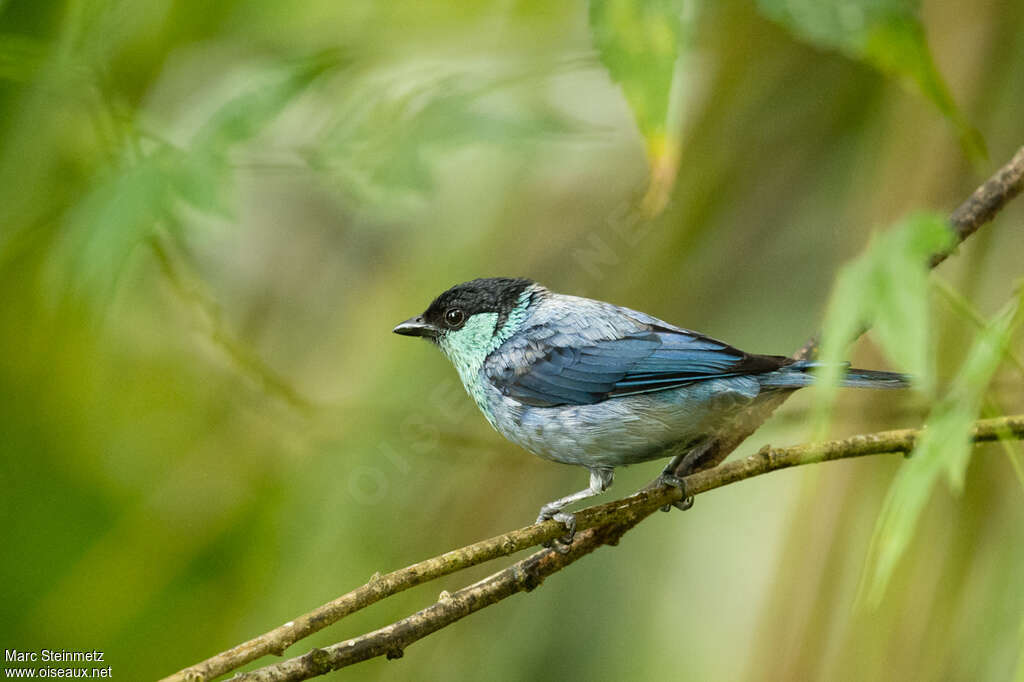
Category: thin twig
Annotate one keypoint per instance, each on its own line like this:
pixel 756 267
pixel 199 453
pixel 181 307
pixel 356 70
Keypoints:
pixel 985 202
pixel 597 527
pixel 529 573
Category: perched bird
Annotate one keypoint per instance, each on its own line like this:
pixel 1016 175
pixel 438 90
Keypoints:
pixel 585 382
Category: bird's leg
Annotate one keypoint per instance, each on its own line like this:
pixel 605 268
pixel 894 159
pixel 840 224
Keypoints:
pixel 600 480
pixel 668 477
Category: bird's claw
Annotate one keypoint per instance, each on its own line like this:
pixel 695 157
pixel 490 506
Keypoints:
pixel 671 480
pixel 568 520
pixel 681 505
pixel 562 544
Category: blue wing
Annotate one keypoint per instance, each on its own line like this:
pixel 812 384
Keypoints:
pixel 545 370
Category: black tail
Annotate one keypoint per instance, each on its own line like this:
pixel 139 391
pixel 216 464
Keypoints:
pixel 800 374
pixel 873 378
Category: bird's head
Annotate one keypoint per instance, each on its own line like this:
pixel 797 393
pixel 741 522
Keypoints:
pixel 471 319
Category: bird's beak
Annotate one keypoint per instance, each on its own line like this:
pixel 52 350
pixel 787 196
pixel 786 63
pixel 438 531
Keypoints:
pixel 417 326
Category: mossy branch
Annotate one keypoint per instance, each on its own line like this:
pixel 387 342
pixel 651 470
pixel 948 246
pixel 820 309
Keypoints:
pixel 606 520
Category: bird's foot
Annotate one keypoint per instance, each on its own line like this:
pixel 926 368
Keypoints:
pixel 567 519
pixel 669 479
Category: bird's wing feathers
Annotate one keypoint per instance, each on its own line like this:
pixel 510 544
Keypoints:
pixel 544 367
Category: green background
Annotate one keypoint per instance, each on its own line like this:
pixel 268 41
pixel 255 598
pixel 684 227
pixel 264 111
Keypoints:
pixel 212 215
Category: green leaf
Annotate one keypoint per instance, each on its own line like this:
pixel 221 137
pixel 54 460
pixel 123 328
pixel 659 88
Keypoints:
pixel 898 302
pixel 243 116
pixel 643 44
pixel 847 310
pixel 104 228
pixel 145 190
pixel 391 128
pixel 203 171
pixel 639 42
pixel 944 449
pixel 888 35
pixel 989 350
pixel 885 288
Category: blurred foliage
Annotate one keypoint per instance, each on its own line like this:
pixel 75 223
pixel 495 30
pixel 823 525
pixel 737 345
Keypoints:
pixel 889 35
pixel 943 449
pixel 387 133
pixel 648 45
pixel 153 181
pixel 644 45
pixel 213 214
pixel 639 43
pixel 885 289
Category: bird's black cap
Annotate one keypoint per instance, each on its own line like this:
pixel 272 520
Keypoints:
pixel 487 294
pixel 484 295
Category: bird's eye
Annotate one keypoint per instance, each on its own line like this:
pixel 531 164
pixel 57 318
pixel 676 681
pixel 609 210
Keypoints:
pixel 454 317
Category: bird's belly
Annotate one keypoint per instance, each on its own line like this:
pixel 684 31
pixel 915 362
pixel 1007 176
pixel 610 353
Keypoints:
pixel 625 430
